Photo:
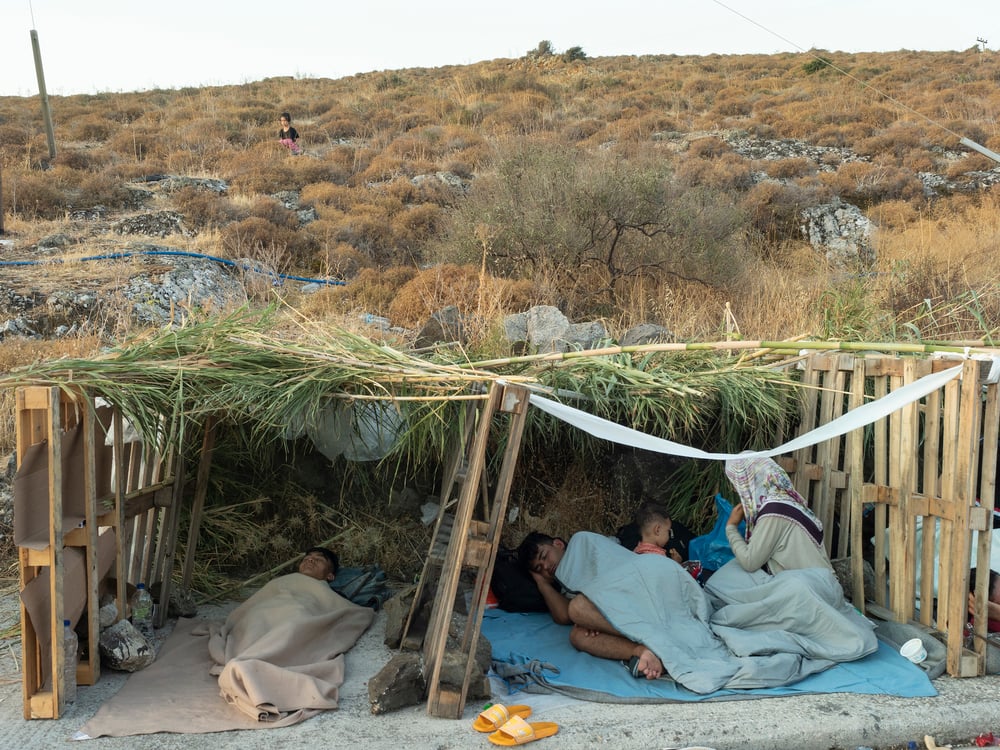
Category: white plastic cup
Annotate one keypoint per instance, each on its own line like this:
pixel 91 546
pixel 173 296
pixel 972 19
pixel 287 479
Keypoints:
pixel 914 650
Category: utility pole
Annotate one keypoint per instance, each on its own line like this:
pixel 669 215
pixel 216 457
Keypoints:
pixel 46 114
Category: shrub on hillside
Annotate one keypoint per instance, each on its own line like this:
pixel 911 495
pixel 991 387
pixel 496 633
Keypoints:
pixel 203 208
pixel 374 290
pixel 462 286
pixel 865 184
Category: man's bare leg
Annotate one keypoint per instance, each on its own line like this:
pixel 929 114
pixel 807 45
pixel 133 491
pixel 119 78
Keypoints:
pixel 593 634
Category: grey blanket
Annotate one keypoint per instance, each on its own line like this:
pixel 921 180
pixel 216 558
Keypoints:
pixel 751 631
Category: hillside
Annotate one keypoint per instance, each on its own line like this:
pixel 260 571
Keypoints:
pixel 630 188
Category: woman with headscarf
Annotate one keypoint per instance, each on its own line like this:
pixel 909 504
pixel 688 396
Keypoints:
pixel 781 532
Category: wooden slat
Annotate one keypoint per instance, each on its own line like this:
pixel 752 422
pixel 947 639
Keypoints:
pixel 198 504
pixel 854 462
pixel 967 447
pixel 880 387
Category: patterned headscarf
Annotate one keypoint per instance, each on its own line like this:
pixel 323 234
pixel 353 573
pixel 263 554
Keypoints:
pixel 765 489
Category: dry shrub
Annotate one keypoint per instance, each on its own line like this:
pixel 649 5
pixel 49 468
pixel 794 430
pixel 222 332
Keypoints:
pixel 373 291
pixel 479 296
pixel 36 195
pixel 894 215
pixel 864 184
pixel 708 147
pixel 253 236
pixel 774 210
pixel 203 209
pixel 969 163
pixel 323 194
pixel 727 172
pixel 339 262
pixel 415 225
pixel 523 114
pixel 270 209
pixel 786 169
pixel 264 168
pixel 14 135
pixel 90 127
pixel 580 130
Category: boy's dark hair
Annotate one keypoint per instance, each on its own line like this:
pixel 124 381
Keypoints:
pixel 650 512
pixel 286 116
pixel 527 550
pixel 330 555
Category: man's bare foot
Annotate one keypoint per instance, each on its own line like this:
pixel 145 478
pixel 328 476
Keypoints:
pixel 650 664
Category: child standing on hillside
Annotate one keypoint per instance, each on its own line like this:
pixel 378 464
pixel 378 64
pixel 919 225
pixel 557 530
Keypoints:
pixel 288 135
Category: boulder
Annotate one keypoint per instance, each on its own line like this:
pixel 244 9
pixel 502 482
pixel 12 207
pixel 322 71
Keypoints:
pixel 646 333
pixel 841 232
pixel 446 324
pixel 398 684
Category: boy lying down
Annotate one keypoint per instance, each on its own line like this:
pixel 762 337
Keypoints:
pixel 281 652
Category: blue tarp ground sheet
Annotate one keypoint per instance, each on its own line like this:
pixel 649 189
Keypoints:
pixel 523 643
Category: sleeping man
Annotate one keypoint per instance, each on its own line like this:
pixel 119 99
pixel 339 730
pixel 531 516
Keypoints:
pixel 741 631
pixel 280 655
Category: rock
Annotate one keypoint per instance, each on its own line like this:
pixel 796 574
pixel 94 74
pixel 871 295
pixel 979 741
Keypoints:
pixel 546 328
pixel 448 179
pixel 840 231
pixel 646 333
pixel 398 684
pixel 158 224
pixel 124 648
pixel 444 325
pixel 54 241
pixel 173 183
pixel 181 602
pixel 585 335
pixel 397 609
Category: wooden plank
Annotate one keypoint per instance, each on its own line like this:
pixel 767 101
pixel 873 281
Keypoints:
pixel 967 447
pixel 811 379
pixel 880 388
pixel 89 671
pixel 56 565
pixel 904 565
pixel 200 491
pixel 854 463
pixel 950 423
pixel 119 485
pixel 172 528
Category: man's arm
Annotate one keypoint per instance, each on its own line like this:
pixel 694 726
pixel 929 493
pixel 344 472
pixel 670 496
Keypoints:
pixel 557 603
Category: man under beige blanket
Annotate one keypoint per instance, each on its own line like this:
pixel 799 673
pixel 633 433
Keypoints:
pixel 279 657
pixel 281 651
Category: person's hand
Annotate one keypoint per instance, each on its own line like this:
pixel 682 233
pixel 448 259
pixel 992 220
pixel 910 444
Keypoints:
pixel 972 603
pixel 676 556
pixel 540 579
pixel 736 516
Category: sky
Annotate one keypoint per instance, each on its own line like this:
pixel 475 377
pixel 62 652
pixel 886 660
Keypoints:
pixel 92 46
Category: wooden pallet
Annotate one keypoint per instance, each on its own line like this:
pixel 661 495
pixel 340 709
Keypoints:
pixel 127 497
pixel 464 543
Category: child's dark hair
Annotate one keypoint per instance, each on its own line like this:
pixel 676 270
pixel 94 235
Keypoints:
pixel 650 512
pixel 527 550
pixel 285 116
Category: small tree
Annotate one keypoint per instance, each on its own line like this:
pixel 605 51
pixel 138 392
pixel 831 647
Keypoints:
pixel 544 49
pixel 574 53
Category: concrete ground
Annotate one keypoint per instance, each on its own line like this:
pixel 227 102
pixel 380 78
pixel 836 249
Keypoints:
pixel 964 709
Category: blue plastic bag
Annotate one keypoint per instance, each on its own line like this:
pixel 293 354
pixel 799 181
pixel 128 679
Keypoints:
pixel 713 548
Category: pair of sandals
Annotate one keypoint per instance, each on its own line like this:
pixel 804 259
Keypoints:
pixel 507 725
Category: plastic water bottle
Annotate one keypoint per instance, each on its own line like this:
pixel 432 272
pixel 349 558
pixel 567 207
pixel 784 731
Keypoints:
pixel 142 610
pixel 70 648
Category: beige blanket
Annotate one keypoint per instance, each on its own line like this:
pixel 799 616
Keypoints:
pixel 279 657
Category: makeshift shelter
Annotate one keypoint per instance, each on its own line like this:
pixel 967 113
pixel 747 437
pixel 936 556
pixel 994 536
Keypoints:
pixel 899 439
